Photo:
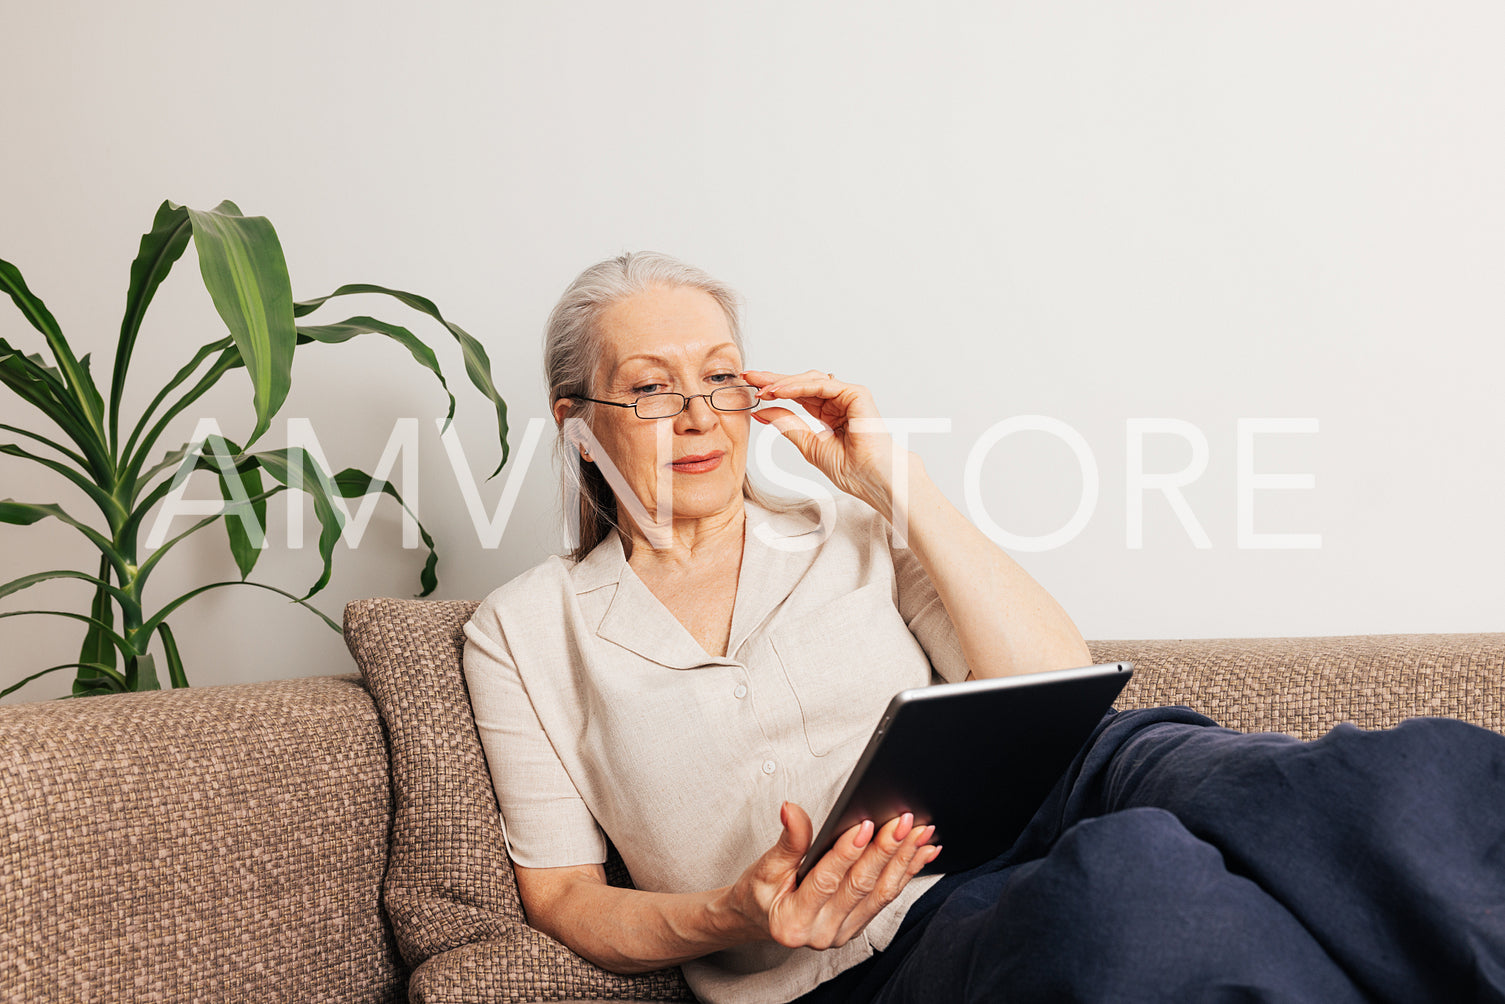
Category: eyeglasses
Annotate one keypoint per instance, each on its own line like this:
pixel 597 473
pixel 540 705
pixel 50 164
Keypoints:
pixel 739 398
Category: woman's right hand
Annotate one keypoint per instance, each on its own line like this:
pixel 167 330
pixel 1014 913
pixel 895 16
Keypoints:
pixel 858 877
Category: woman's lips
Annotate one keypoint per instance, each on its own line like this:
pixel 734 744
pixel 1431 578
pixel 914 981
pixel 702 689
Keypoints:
pixel 698 464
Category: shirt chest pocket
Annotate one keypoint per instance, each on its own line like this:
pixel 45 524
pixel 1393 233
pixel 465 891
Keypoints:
pixel 844 660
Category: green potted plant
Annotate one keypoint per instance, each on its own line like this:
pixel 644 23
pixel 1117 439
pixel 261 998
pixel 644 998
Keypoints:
pixel 243 269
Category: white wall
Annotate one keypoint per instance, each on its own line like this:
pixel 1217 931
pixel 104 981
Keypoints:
pixel 1093 212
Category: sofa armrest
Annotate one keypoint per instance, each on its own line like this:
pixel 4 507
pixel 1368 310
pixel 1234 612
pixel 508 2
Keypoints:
pixel 217 843
pixel 1305 686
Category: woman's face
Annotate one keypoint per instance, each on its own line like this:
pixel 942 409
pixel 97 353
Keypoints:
pixel 671 339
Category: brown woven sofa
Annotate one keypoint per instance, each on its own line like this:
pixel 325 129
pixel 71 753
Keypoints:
pixel 335 839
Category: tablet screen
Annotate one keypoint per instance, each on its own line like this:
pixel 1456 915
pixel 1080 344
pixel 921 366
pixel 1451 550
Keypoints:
pixel 977 758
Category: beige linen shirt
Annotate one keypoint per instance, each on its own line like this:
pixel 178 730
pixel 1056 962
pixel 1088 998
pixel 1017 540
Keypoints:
pixel 602 716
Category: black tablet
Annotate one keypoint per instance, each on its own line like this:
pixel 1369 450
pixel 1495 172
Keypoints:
pixel 975 758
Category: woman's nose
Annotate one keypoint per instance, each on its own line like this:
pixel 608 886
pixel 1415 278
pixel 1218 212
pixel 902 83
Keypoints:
pixel 698 412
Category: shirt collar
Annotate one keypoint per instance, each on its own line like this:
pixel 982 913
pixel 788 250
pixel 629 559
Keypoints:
pixel 774 558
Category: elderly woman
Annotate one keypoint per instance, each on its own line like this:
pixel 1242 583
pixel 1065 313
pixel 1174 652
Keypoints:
pixel 697 679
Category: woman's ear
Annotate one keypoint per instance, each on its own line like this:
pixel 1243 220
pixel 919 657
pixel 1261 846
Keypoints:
pixel 562 408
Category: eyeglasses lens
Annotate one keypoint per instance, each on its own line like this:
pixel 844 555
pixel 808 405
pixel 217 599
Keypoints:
pixel 722 399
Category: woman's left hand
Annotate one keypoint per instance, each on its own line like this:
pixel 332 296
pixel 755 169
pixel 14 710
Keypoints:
pixel 855 451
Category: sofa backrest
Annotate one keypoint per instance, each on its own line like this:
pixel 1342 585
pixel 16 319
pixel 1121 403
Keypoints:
pixel 1305 686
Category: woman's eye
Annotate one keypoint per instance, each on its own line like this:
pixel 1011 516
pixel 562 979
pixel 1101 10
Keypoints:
pixel 723 377
pixel 647 388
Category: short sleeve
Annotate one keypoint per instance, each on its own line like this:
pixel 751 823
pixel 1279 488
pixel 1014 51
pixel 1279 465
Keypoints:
pixel 544 819
pixel 925 615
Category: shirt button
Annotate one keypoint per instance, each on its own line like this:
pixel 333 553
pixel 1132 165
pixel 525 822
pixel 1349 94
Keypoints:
pixel 740 692
pixel 768 766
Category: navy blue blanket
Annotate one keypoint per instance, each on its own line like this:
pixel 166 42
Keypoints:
pixel 1181 861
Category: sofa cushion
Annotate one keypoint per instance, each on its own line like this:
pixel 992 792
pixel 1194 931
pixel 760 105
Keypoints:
pixel 449 888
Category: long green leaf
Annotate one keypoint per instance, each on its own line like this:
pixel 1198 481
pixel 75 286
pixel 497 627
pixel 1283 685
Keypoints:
pixel 353 483
pixel 80 384
pixel 96 647
pixel 352 326
pixel 204 352
pixel 95 405
pixel 108 505
pixel 348 483
pixel 155 620
pixel 119 642
pixel 160 248
pixel 172 458
pixel 175 671
pixel 244 270
pixel 101 670
pixel 36 312
pixel 34 370
pixel 27 581
pixel 20 514
pixel 52 372
pixel 241 481
pixel 40 386
pixel 34 384
pixel 477 363
pixel 228 360
pixel 77 458
pixel 144 505
pixel 140 674
pixel 295 468
pixel 27 513
pixel 155 558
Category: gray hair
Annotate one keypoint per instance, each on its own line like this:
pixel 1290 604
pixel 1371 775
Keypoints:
pixel 573 349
